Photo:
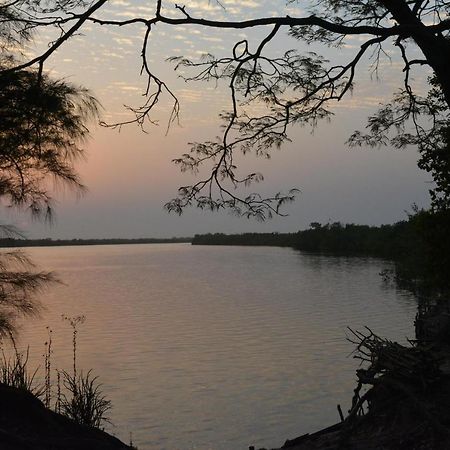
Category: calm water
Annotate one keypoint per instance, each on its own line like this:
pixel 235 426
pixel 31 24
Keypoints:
pixel 215 347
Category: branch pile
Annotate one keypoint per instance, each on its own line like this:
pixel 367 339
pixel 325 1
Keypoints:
pixel 401 398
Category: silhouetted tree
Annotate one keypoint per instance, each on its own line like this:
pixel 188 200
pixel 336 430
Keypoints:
pixel 42 124
pixel 294 87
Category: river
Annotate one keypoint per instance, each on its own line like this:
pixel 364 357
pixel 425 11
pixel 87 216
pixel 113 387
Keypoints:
pixel 215 347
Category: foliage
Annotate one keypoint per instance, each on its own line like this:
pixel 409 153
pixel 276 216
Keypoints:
pixel 14 372
pixel 429 132
pixel 20 285
pixel 429 266
pixel 79 396
pixel 420 246
pixel 270 93
pixel 48 242
pixel 42 126
pixel 388 241
pixel 436 160
pixel 85 402
pixel 245 239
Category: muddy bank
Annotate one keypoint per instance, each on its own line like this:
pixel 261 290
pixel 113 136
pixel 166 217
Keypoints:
pixel 25 424
pixel 401 401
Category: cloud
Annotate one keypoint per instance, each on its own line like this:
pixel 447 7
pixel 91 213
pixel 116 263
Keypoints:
pixel 123 41
pixel 112 55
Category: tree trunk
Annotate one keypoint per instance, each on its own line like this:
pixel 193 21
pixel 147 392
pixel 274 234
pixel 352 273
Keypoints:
pixel 436 50
pixel 434 46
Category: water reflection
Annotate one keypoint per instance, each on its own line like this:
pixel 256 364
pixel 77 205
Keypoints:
pixel 216 347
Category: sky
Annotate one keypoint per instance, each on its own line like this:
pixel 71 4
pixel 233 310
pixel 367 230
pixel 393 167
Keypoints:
pixel 130 174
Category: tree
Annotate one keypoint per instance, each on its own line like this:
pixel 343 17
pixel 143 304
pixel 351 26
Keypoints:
pixel 294 87
pixel 42 124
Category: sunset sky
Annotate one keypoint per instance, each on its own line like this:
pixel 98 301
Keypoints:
pixel 130 175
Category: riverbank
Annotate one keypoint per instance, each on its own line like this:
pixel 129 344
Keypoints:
pixel 402 393
pixel 402 426
pixel 26 424
pixel 406 407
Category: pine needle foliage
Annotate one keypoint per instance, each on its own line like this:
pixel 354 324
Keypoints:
pixel 43 126
pixel 20 286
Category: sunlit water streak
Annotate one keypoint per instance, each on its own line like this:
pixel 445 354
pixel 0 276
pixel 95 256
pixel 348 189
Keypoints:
pixel 215 347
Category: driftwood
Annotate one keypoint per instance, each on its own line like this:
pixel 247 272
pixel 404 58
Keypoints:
pixel 406 370
pixel 401 400
pixel 398 386
pixel 402 397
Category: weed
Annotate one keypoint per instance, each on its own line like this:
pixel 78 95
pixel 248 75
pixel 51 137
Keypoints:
pixel 79 396
pixel 74 321
pixel 84 401
pixel 14 371
pixel 47 367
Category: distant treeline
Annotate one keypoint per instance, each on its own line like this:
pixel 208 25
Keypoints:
pixel 389 241
pixel 384 241
pixel 268 239
pixel 324 238
pixel 11 242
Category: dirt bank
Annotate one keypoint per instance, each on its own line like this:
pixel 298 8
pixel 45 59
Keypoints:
pixel 25 424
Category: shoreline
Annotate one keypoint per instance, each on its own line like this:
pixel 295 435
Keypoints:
pixel 26 243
